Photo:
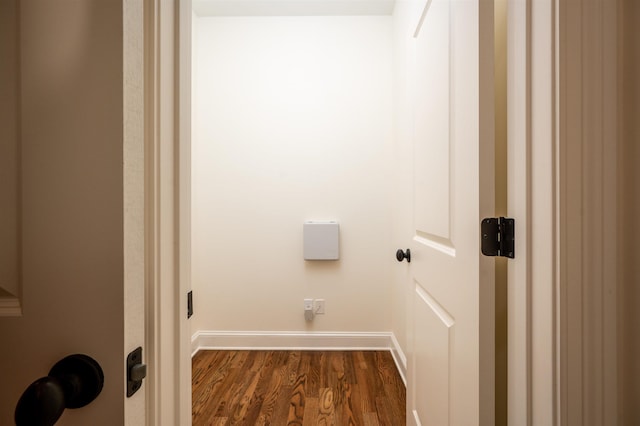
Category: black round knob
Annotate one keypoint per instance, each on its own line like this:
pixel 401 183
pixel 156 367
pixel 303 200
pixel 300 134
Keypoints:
pixel 82 378
pixel 402 255
pixel 73 382
pixel 41 404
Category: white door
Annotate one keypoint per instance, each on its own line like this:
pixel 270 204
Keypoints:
pixel 450 360
pixel 72 119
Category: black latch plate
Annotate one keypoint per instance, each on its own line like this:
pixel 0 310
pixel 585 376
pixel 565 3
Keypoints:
pixel 497 237
pixel 189 304
pixel 133 359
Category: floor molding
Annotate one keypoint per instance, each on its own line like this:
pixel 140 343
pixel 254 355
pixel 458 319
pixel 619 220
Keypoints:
pixel 265 340
pixel 400 358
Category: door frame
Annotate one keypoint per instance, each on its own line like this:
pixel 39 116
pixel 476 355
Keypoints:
pixel 544 278
pixel 168 210
pixel 532 201
pixel 563 158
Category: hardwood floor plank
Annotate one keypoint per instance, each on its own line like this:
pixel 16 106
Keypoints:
pixel 273 391
pixel 228 390
pixel 297 402
pixel 355 404
pixel 310 412
pixel 347 415
pixel 264 367
pixel 396 396
pixel 206 397
pixel 359 360
pixel 366 394
pixel 371 419
pixel 349 368
pixel 242 406
pixel 297 388
pixel 384 411
pixel 374 380
pixel 313 375
pixel 238 358
pixel 326 408
pixel 293 363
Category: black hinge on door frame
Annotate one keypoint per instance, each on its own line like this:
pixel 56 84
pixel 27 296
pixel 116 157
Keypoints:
pixel 497 237
pixel 189 304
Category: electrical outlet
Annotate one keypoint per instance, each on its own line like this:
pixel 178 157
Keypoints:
pixel 318 306
pixel 308 304
pixel 308 309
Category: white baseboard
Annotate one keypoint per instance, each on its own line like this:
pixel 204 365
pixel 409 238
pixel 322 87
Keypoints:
pixel 288 340
pixel 254 340
pixel 400 358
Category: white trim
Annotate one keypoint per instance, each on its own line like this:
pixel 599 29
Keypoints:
pixel 182 115
pixel 152 353
pixel 534 283
pixel 165 381
pixel 134 185
pixel 543 214
pixel 519 207
pixel 290 340
pixel 400 358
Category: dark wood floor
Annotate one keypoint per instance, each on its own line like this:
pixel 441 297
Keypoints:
pixel 297 388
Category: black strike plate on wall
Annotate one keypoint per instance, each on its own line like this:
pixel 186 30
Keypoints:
pixel 136 371
pixel 189 304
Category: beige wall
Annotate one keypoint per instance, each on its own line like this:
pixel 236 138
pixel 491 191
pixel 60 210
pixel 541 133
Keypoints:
pixel 8 148
pixel 72 201
pixel 630 301
pixel 292 122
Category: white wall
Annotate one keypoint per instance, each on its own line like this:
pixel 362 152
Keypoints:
pixel 292 122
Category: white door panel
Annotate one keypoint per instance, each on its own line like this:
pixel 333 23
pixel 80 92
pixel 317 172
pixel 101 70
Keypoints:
pixel 445 381
pixel 431 358
pixel 431 155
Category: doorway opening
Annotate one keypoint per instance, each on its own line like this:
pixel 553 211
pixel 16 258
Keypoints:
pixel 292 122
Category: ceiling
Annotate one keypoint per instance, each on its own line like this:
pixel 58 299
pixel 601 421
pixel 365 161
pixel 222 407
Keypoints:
pixel 292 7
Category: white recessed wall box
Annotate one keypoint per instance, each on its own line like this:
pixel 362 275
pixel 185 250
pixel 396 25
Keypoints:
pixel 321 240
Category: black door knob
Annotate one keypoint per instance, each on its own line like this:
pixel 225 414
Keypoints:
pixel 73 382
pixel 402 255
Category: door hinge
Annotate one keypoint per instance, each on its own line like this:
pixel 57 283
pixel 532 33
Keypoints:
pixel 189 304
pixel 497 236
